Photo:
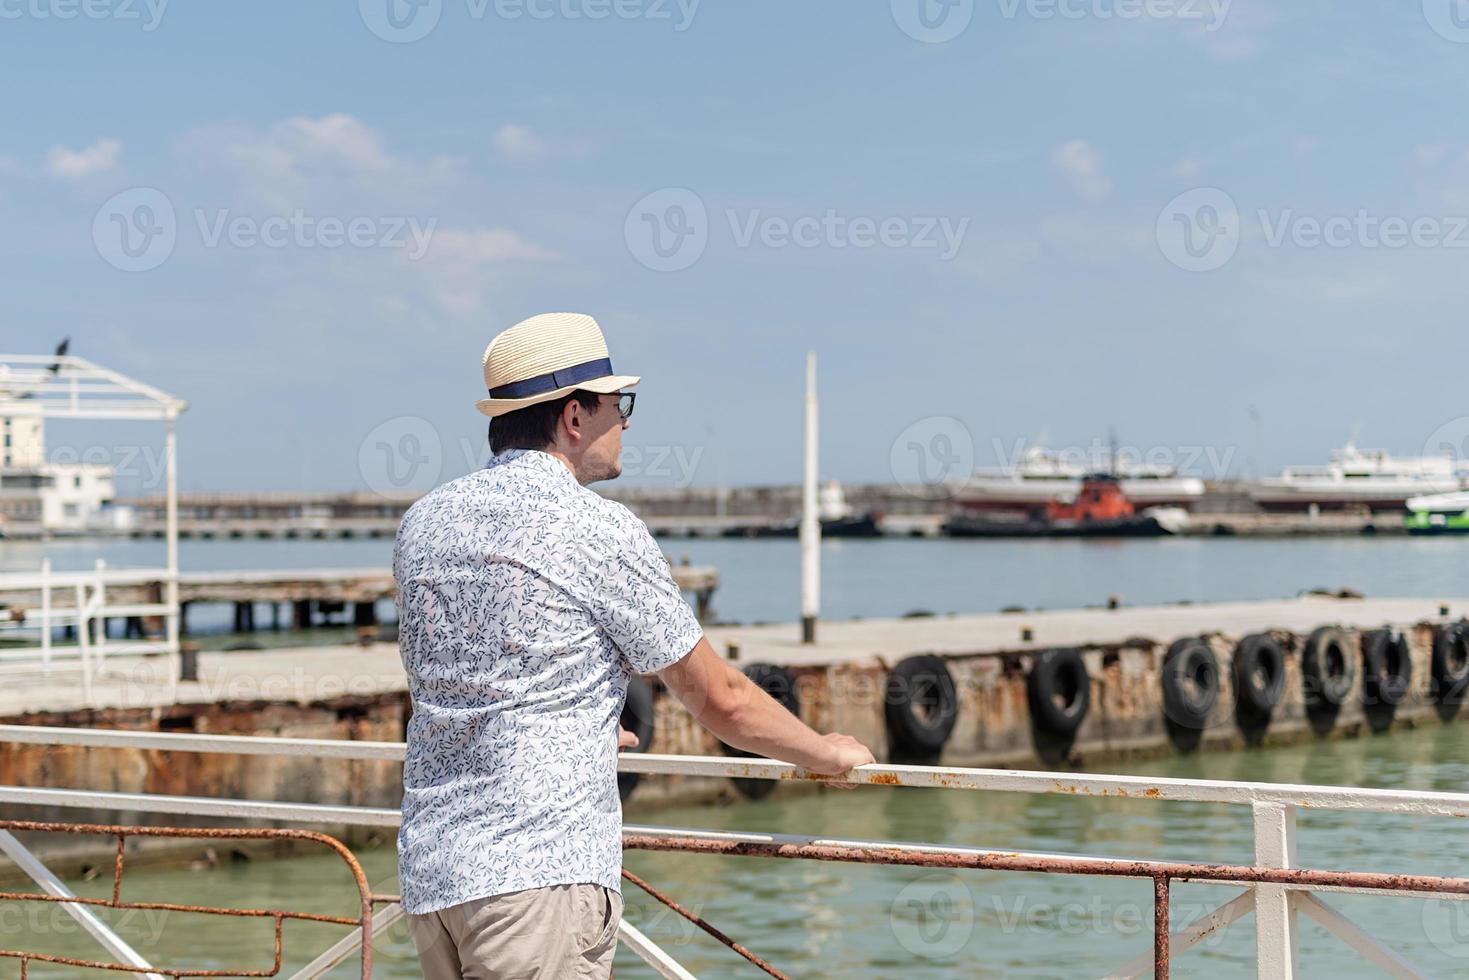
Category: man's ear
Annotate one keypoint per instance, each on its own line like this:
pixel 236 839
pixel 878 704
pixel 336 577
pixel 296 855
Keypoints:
pixel 571 419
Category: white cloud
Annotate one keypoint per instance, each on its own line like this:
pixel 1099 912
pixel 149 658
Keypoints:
pixel 460 266
pixel 333 153
pixel 1096 242
pixel 98 158
pixel 1081 165
pixel 481 246
pixel 518 142
pixel 1430 153
pixel 1186 169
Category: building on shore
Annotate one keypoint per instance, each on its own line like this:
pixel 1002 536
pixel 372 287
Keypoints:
pixel 38 497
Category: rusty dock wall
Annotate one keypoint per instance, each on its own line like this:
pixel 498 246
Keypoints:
pixel 844 682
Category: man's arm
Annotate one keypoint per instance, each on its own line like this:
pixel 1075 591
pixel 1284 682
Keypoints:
pixel 731 706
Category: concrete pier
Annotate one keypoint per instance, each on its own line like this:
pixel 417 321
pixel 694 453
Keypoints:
pixel 841 682
pixel 311 593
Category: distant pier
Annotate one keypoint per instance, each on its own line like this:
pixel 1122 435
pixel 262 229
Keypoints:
pixel 695 512
pixel 299 598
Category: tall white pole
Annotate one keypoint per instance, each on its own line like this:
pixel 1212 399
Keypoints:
pixel 171 506
pixel 810 517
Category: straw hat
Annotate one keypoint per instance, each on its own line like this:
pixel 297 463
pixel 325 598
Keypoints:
pixel 545 358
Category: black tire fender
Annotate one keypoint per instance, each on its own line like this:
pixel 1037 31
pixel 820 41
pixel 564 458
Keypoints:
pixel 1387 668
pixel 1328 669
pixel 920 705
pixel 1451 663
pixel 1191 683
pixel 637 717
pixel 1060 692
pixel 1259 675
pixel 780 684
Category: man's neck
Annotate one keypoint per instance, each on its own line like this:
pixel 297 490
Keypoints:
pixel 566 461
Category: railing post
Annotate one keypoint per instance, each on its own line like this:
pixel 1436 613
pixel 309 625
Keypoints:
pixel 1275 916
pixel 46 613
pixel 100 597
pixel 83 645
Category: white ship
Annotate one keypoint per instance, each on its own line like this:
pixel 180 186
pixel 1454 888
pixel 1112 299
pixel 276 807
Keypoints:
pixel 1042 475
pixel 1361 478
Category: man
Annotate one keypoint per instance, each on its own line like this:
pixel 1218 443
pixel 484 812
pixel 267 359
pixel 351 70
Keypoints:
pixel 526 603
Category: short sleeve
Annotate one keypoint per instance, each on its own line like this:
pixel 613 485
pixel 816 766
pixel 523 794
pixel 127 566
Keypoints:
pixel 634 599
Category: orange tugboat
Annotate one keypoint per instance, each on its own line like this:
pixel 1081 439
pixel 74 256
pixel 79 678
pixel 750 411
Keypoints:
pixel 1100 510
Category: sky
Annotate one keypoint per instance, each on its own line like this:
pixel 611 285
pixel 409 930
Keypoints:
pixel 1233 232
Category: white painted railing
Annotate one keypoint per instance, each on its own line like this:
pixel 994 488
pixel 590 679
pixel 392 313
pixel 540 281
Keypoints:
pixel 31 646
pixel 1273 807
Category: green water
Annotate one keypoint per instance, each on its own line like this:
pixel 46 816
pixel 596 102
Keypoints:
pixel 828 920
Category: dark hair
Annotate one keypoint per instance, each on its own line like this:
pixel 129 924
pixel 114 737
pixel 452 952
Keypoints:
pixel 535 427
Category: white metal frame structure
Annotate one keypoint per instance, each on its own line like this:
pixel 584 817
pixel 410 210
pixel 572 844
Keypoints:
pixel 67 387
pixel 1273 808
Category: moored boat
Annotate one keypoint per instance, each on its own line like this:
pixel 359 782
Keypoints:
pixel 1042 475
pixel 1446 513
pixel 1370 479
pixel 1101 510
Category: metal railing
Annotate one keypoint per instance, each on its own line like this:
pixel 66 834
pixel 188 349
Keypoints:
pixel 128 959
pixel 1274 888
pixel 80 603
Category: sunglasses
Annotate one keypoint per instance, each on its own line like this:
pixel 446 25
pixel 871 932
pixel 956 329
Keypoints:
pixel 625 402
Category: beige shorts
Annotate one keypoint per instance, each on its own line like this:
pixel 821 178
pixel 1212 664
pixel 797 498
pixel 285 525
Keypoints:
pixel 540 934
